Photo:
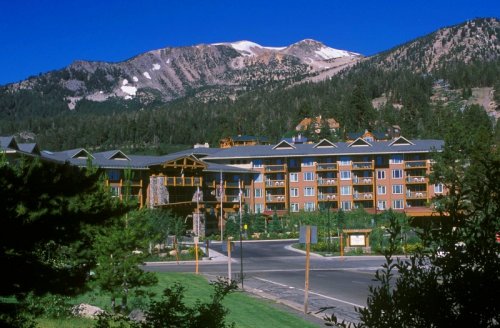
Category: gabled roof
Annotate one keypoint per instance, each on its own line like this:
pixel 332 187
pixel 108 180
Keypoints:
pixel 30 148
pixel 283 144
pixel 325 143
pixel 401 141
pixel 8 143
pixel 302 150
pixel 360 142
pixel 79 153
pixel 114 155
pixel 187 161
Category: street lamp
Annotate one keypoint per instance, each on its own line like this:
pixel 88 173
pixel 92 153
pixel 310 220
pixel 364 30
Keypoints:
pixel 241 241
pixel 328 226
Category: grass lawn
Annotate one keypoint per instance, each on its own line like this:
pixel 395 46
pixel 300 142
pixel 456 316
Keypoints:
pixel 244 310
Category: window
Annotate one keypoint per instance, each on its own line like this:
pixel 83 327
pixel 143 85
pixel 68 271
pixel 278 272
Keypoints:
pixel 309 191
pixel 345 190
pixel 309 206
pixel 307 161
pixel 438 188
pixel 308 176
pixel 381 190
pixel 397 189
pixel 294 207
pixel 345 160
pixel 294 177
pixel 115 191
pixel 258 193
pixel 114 175
pixel 396 159
pixel 293 162
pixel 259 208
pixel 381 205
pixel 397 174
pixel 380 174
pixel 397 204
pixel 345 205
pixel 345 175
pixel 259 177
pixel 294 192
pixel 257 163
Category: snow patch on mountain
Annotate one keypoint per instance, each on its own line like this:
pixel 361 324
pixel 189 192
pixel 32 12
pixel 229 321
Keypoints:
pixel 129 89
pixel 156 67
pixel 146 75
pixel 330 53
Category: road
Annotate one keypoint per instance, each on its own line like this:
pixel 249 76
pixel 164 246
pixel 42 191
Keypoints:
pixel 274 270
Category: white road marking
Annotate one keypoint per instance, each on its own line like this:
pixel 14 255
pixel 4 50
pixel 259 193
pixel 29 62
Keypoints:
pixel 313 293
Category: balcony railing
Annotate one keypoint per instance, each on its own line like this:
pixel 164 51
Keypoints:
pixel 363 196
pixel 275 183
pixel 415 179
pixel 275 168
pixel 415 164
pixel 226 185
pixel 183 181
pixel 362 165
pixel 416 194
pixel 327 197
pixel 362 180
pixel 275 198
pixel 326 167
pixel 327 181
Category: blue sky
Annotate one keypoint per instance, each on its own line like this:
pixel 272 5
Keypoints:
pixel 37 36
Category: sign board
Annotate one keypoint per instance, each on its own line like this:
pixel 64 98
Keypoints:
pixel 357 240
pixel 314 235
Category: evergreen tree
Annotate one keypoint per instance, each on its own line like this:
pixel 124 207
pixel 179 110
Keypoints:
pixel 49 213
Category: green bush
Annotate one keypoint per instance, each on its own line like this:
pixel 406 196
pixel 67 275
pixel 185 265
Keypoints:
pixel 50 306
pixel 413 248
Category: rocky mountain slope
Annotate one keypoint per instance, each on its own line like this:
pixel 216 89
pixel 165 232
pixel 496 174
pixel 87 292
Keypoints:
pixel 472 41
pixel 210 71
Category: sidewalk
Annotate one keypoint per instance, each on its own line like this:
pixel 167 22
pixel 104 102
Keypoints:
pixel 215 257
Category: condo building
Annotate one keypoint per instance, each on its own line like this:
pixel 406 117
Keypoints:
pixel 209 184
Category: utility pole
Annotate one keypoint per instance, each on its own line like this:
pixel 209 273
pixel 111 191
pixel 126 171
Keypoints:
pixel 329 238
pixel 221 213
pixel 308 250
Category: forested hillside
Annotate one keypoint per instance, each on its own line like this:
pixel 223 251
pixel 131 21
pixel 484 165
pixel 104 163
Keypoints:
pixel 417 96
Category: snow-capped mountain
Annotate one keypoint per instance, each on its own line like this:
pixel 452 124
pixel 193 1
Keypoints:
pixel 207 71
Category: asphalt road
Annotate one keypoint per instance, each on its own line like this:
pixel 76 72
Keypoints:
pixel 273 270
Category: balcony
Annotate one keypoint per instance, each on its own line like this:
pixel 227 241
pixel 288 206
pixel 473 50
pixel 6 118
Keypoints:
pixel 275 198
pixel 415 180
pixel 416 194
pixel 275 168
pixel 415 164
pixel 363 196
pixel 183 181
pixel 226 185
pixel 362 165
pixel 326 167
pixel 275 183
pixel 327 181
pixel 362 181
pixel 327 197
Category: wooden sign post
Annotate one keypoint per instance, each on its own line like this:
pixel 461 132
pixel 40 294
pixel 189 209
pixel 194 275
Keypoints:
pixel 229 273
pixel 196 252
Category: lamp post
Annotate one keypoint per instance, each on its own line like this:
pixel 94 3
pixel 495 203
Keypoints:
pixel 328 225
pixel 241 241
